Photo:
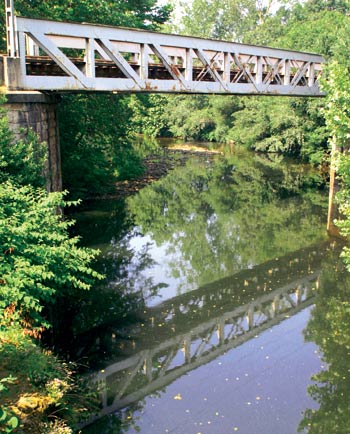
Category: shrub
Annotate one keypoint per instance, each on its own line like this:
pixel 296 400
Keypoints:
pixel 38 260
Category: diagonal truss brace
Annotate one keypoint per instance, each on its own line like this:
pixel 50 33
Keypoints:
pixel 59 57
pixel 119 60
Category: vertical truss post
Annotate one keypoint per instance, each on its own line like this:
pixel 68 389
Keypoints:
pixel 250 317
pixel 147 367
pixel 259 70
pixel 221 331
pixel 188 65
pixel 286 80
pixel 226 68
pixel 11 37
pixel 90 58
pixel 311 75
pixel 187 348
pixel 144 61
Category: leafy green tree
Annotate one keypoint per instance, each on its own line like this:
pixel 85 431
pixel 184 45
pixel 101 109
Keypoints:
pixel 292 127
pixel 330 323
pixel 38 259
pixel 95 143
pixel 131 13
pixel 223 19
pixel 338 122
pixel 39 263
pixel 149 114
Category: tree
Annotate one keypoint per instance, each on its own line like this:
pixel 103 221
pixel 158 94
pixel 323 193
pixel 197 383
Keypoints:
pixel 288 126
pixel 133 13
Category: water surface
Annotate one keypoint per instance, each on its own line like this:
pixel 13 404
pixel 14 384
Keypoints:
pixel 213 273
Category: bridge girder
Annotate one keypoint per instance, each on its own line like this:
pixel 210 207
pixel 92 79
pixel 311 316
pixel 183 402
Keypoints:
pixel 61 57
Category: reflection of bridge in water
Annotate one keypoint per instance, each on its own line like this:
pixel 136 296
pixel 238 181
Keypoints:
pixel 192 329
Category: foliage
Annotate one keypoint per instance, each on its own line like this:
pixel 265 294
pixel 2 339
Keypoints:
pixel 133 13
pixel 8 422
pixel 316 32
pixel 224 19
pixel 38 263
pixel 330 320
pixel 37 397
pixel 38 259
pixel 149 114
pixel 337 113
pixel 95 145
pixel 22 160
pixel 196 117
pixel 276 125
pixel 291 127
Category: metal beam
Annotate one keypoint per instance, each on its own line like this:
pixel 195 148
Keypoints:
pixel 12 44
pixel 115 59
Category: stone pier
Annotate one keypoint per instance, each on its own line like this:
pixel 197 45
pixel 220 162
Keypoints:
pixel 38 111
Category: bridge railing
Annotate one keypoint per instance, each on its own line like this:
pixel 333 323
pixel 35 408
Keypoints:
pixel 71 57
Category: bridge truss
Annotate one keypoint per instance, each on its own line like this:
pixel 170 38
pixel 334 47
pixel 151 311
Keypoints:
pixel 59 56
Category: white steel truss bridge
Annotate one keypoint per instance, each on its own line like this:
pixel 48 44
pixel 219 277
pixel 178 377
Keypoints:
pixel 67 57
pixel 199 326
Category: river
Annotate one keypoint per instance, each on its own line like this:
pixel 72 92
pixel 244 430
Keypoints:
pixel 221 282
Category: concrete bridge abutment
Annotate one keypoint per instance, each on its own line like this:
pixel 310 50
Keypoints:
pixel 38 111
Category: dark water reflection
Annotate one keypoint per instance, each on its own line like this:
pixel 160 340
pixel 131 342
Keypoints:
pixel 203 267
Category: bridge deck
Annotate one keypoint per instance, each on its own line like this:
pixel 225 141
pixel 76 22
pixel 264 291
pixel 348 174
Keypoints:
pixel 61 57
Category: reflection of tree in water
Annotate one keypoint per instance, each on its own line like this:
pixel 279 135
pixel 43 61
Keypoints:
pixel 91 325
pixel 329 328
pixel 126 267
pixel 228 215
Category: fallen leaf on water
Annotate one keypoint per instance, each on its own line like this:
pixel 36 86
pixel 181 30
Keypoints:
pixel 178 397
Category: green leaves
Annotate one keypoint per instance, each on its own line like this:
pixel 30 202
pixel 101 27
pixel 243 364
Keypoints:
pixel 8 422
pixel 38 259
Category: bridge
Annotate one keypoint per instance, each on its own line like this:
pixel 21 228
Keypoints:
pixel 68 57
pixel 192 329
pixel 128 60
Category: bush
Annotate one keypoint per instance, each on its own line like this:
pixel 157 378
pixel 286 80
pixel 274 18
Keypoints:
pixel 34 394
pixel 37 258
